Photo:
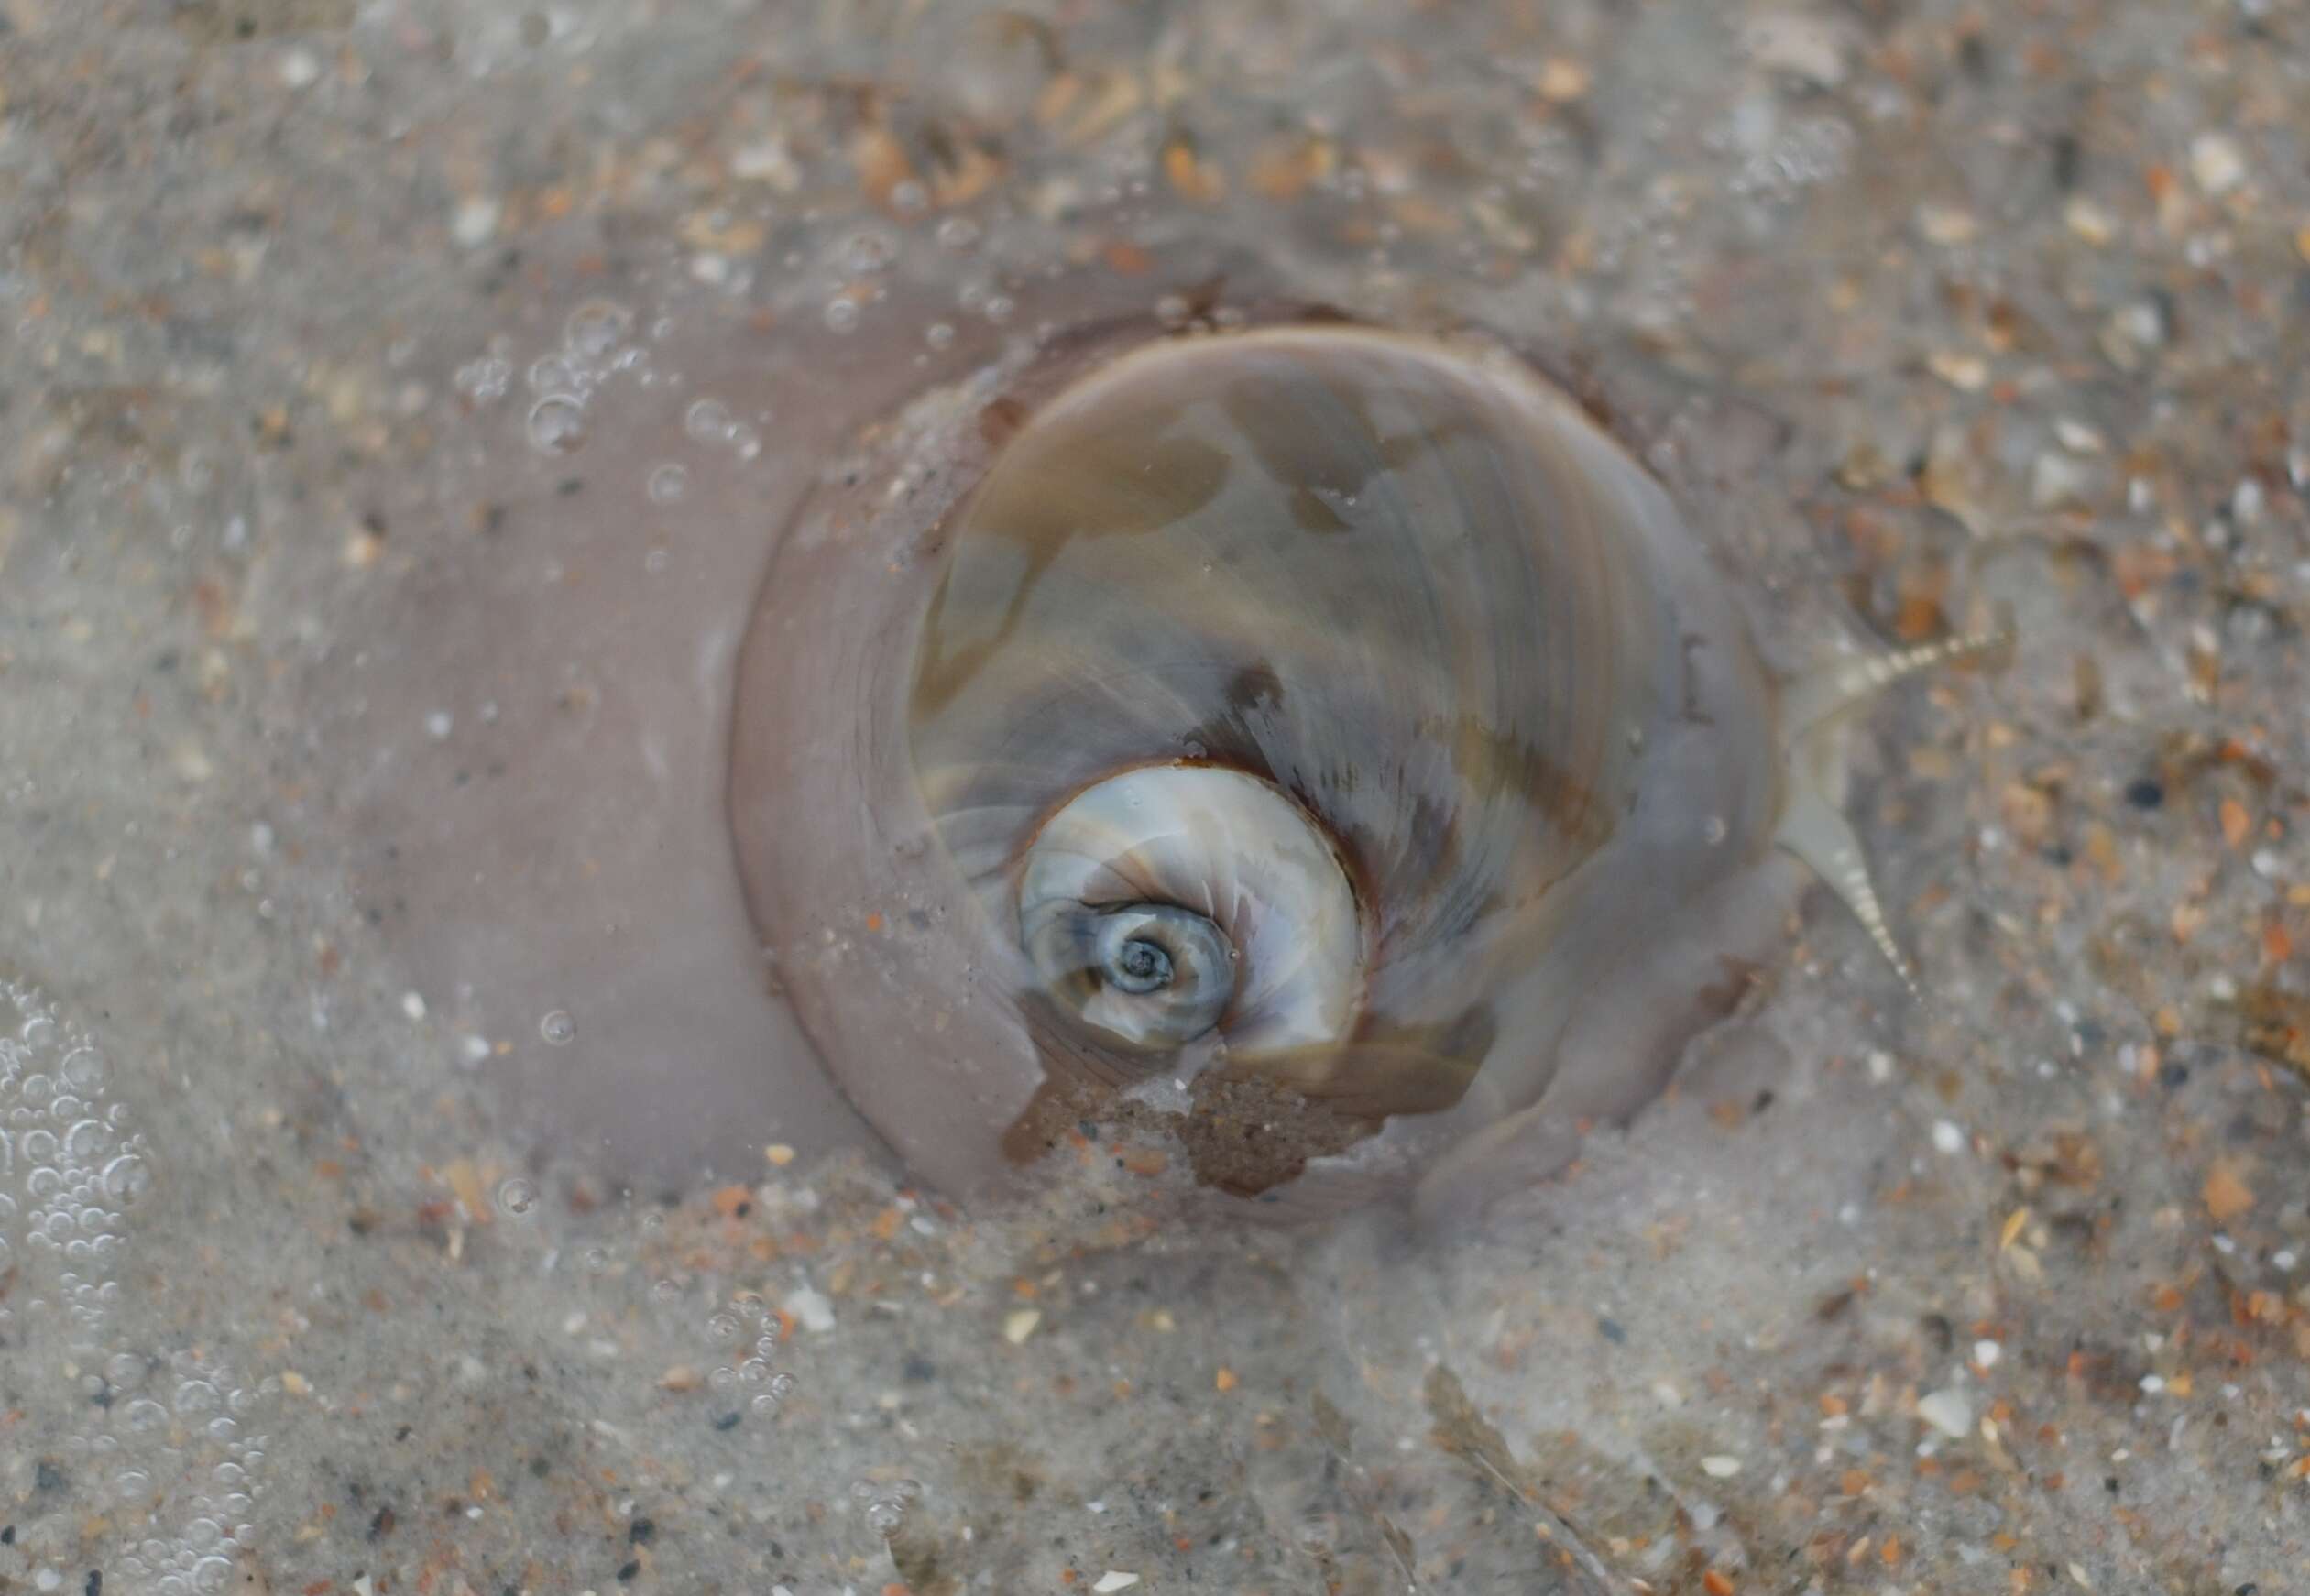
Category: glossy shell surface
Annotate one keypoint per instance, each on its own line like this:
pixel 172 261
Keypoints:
pixel 1407 587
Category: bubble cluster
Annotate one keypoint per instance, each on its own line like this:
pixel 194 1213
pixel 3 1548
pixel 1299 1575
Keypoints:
pixel 596 343
pixel 557 425
pixel 882 1504
pixel 485 380
pixel 71 1168
pixel 596 328
pixel 181 1442
pixel 870 251
pixel 746 1333
pixel 709 421
pixel 165 1451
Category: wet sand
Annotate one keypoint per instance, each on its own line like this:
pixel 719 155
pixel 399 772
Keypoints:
pixel 1927 315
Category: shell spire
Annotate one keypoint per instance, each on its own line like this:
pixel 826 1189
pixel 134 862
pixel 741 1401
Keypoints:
pixel 1814 826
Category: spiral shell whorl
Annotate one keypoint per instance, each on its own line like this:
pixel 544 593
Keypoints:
pixel 1308 555
pixel 1162 850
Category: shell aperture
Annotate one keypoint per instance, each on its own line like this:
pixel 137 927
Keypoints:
pixel 1336 723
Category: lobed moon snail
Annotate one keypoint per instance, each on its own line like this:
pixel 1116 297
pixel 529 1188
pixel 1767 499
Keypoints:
pixel 1325 742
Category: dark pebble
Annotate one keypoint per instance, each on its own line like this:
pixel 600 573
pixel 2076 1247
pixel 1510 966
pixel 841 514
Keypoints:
pixel 47 1476
pixel 626 1574
pixel 921 1370
pixel 640 1532
pixel 1612 1332
pixel 95 1586
pixel 728 1421
pixel 2067 155
pixel 2144 793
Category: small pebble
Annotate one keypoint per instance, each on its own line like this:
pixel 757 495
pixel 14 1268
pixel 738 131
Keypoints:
pixel 1719 1466
pixel 1113 1579
pixel 811 1308
pixel 2089 222
pixel 1806 47
pixel 2056 479
pixel 476 222
pixel 1949 1411
pixel 2077 437
pixel 2143 323
pixel 1948 1138
pixel 1562 80
pixel 2216 162
pixel 1946 224
pixel 1965 373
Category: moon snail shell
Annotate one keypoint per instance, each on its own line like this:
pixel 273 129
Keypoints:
pixel 1325 743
